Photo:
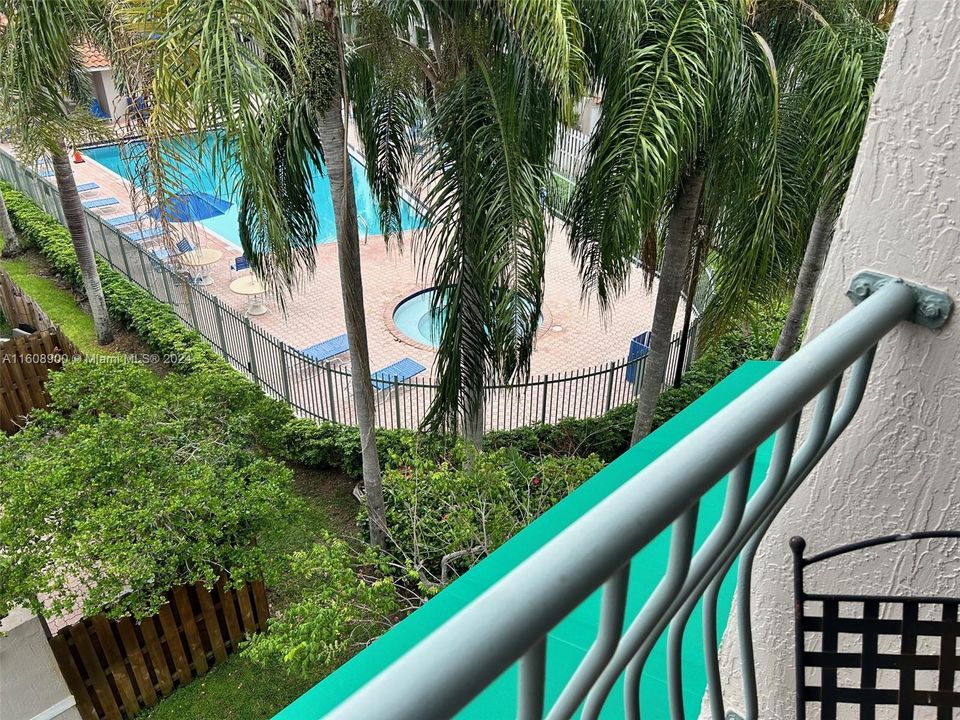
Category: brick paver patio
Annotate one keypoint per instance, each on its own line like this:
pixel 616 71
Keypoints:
pixel 574 334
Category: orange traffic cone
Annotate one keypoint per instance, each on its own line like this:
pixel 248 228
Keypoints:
pixel 77 157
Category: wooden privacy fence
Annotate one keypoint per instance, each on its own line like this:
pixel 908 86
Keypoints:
pixel 26 361
pixel 115 668
pixel 19 308
pixel 25 365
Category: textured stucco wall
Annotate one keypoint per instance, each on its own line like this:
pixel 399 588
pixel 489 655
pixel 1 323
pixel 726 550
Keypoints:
pixel 897 467
pixel 31 685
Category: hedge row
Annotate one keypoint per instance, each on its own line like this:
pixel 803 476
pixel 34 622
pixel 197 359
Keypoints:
pixel 331 445
pixel 608 436
pixel 323 445
pixel 153 321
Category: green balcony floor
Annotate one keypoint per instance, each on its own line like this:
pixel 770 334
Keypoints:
pixel 570 640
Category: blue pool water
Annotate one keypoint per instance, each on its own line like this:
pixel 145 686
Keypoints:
pixel 415 320
pixel 204 179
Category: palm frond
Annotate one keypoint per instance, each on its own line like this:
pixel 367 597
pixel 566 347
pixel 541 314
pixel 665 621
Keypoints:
pixel 383 79
pixel 660 92
pixel 236 72
pixel 485 239
pixel 550 36
pixel 44 92
pixel 829 85
pixel 744 194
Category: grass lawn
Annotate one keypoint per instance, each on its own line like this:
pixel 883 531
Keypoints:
pixel 33 275
pixel 58 302
pixel 241 689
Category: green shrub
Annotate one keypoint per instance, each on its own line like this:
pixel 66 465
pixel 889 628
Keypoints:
pixel 443 517
pixel 127 485
pixel 608 436
pixel 348 600
pixel 154 322
pixel 336 446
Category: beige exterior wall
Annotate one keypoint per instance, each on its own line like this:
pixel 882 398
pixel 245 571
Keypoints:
pixel 897 466
pixel 31 685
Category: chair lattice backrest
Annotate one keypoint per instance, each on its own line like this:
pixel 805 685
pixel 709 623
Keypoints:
pixel 924 631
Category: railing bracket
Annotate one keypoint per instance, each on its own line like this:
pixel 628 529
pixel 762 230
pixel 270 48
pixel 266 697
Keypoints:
pixel 931 310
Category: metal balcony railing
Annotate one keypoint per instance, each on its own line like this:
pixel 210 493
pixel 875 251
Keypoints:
pixel 511 619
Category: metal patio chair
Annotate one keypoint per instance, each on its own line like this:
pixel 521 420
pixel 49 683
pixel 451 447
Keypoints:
pixel 866 619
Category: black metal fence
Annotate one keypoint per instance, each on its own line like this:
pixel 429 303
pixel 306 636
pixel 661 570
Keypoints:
pixel 322 391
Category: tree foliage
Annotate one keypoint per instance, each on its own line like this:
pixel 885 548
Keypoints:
pixel 45 93
pixel 349 599
pixel 127 486
pixel 827 56
pixel 446 515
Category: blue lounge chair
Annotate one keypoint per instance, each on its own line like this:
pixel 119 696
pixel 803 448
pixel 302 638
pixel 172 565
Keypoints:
pixel 240 264
pixel 396 372
pixel 86 187
pixel 327 349
pixel 145 234
pixel 96 109
pixel 183 246
pixel 46 173
pixel 100 202
pixel 118 220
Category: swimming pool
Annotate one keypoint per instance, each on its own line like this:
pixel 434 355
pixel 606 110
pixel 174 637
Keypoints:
pixel 204 179
pixel 414 318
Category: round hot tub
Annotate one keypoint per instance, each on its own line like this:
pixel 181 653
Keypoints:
pixel 414 318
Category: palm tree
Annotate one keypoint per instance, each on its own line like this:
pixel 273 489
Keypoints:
pixel 44 95
pixel 830 83
pixel 674 75
pixel 268 84
pixel 497 81
pixel 828 56
pixel 333 140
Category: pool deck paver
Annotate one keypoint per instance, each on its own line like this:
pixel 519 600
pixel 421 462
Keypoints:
pixel 575 334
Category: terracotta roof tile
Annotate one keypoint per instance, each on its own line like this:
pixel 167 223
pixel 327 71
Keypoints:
pixel 92 58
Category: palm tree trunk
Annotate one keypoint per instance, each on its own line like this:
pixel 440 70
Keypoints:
pixel 333 139
pixel 813 258
pixel 11 241
pixel 73 212
pixel 676 254
pixel 473 426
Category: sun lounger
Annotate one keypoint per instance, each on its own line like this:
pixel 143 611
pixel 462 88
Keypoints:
pixel 327 349
pixel 145 234
pixel 100 202
pixel 118 220
pixel 86 187
pixel 396 372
